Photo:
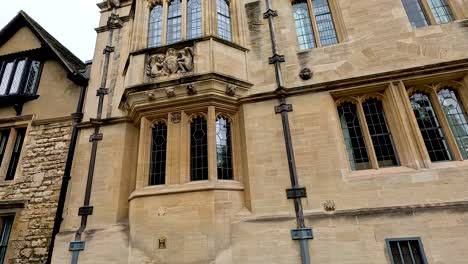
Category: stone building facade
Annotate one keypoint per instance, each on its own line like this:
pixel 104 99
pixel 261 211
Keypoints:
pixel 226 131
pixel 40 84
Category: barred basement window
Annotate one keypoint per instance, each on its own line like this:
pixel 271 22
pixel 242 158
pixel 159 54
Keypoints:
pixel 19 77
pixel 353 136
pixel 224 19
pixel 366 133
pixel 20 134
pixel 198 149
pixel 316 32
pixel 406 251
pixel 155 26
pixel 194 19
pixel 456 117
pixel 174 21
pixel 224 148
pixel 4 134
pixel 7 225
pixel 422 13
pixel 430 128
pixel 158 154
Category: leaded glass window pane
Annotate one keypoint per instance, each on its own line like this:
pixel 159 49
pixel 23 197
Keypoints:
pixel 224 20
pixel 429 126
pixel 415 13
pixel 7 225
pixel 174 21
pixel 223 148
pixel 406 252
pixel 158 154
pixel 198 149
pixel 382 139
pixel 457 118
pixel 324 20
pixel 17 77
pixel 155 26
pixel 20 134
pixel 441 11
pixel 33 78
pixel 354 139
pixel 6 77
pixel 194 19
pixel 305 33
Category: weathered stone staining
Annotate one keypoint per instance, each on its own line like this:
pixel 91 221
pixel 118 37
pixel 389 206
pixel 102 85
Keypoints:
pixel 171 63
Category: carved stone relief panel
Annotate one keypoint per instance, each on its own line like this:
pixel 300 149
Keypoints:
pixel 172 63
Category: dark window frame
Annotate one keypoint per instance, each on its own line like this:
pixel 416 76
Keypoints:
pixel 24 75
pixel 7 227
pixel 199 167
pixel 16 153
pixel 388 241
pixel 158 155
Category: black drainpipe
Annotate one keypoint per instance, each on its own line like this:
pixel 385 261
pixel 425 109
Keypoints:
pixel 301 233
pixel 86 210
pixel 77 118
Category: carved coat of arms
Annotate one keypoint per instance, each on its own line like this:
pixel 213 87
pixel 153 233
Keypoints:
pixel 173 62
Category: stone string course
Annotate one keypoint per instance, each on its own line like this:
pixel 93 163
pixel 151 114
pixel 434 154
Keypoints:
pixel 38 182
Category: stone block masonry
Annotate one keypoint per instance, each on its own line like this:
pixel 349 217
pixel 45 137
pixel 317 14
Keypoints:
pixel 37 181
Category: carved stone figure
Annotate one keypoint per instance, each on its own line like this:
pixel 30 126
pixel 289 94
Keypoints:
pixel 305 74
pixel 173 62
pixel 329 205
pixel 231 89
pixel 176 117
pixel 191 89
pixel 170 92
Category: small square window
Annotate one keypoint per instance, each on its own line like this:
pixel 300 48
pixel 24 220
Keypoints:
pixel 406 251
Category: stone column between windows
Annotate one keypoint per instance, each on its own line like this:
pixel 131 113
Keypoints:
pixel 428 12
pixel 415 134
pixel 314 24
pixel 212 167
pixel 451 141
pixel 213 17
pixel 144 154
pixel 183 22
pixel 463 92
pixel 174 150
pixel 367 136
pixel 399 128
pixel 184 148
pixel 457 9
pixel 164 22
pixel 141 26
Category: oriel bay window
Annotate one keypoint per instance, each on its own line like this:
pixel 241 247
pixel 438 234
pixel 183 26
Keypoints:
pixel 368 140
pixel 422 13
pixel 442 121
pixel 171 21
pixel 315 23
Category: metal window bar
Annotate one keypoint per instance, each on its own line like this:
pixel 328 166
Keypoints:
pixel 174 21
pixel 353 136
pixel 224 148
pixel 158 154
pixel 430 128
pixel 415 12
pixel 305 33
pixel 155 26
pixel 194 19
pixel 325 25
pixel 406 251
pixel 7 224
pixel 198 149
pixel 457 118
pixel 224 20
pixel 20 134
pixel 4 135
pixel 441 11
pixel 381 136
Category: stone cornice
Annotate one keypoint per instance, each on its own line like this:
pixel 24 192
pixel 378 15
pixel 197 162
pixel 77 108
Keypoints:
pixel 46 121
pixel 105 28
pixel 12 204
pixel 104 122
pixel 16 119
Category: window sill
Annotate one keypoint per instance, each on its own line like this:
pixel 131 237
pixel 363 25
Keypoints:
pixel 198 186
pixel 372 173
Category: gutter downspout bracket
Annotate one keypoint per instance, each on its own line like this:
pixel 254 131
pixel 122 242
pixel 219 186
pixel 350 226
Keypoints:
pixel 283 108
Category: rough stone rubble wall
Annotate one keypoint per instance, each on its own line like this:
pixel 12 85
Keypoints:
pixel 39 180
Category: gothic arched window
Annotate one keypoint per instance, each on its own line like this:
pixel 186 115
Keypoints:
pixel 224 148
pixel 194 19
pixel 224 19
pixel 198 149
pixel 158 154
pixel 155 26
pixel 174 21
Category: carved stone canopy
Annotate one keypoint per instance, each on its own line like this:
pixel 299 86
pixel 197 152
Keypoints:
pixel 153 3
pixel 173 62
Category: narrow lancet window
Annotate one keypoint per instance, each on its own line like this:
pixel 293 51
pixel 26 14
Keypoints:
pixel 198 149
pixel 305 33
pixel 353 136
pixel 224 20
pixel 430 128
pixel 380 133
pixel 174 21
pixel 224 148
pixel 155 26
pixel 158 154
pixel 457 118
pixel 194 19
pixel 324 20
pixel 20 134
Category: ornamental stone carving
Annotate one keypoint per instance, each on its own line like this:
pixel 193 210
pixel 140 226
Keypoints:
pixel 176 117
pixel 231 89
pixel 305 74
pixel 171 63
pixel 153 3
pixel 191 90
pixel 170 92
